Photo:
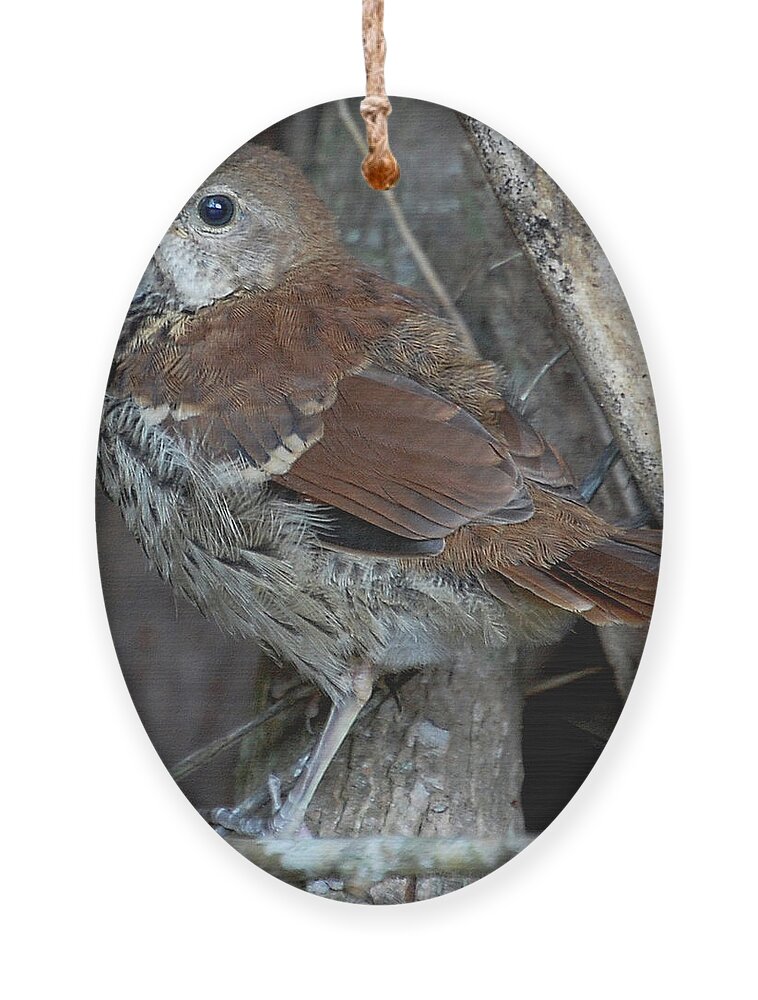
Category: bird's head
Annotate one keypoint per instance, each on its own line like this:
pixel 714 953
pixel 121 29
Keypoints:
pixel 251 222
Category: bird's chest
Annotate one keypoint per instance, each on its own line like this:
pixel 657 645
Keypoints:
pixel 251 559
pixel 172 495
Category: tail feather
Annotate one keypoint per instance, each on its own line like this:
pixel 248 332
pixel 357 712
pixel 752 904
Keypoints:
pixel 544 584
pixel 611 582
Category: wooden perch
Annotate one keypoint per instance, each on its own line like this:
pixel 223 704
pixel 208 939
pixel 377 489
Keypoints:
pixel 586 298
pixel 368 860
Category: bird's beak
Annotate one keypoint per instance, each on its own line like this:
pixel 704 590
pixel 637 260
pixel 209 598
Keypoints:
pixel 177 229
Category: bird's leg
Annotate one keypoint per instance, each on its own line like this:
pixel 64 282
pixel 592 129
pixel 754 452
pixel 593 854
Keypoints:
pixel 290 817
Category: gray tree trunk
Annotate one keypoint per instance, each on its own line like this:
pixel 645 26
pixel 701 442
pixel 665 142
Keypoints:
pixel 448 764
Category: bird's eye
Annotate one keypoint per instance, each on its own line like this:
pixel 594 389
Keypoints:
pixel 216 209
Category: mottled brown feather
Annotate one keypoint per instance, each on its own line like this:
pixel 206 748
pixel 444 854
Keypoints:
pixel 256 368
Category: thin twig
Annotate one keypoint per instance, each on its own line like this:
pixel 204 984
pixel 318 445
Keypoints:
pixel 551 683
pixel 423 263
pixel 506 260
pixel 474 271
pixel 596 476
pixel 203 756
pixel 541 373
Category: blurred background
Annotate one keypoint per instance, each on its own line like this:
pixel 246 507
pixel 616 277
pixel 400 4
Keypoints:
pixel 190 683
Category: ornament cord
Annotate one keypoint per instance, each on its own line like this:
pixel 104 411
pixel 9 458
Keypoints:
pixel 380 168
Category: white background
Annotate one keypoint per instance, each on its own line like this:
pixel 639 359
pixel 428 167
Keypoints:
pixel 645 885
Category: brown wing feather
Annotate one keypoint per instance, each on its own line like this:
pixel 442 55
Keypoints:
pixel 279 381
pixel 538 461
pixel 408 461
pixel 610 580
pixel 250 375
pixel 565 555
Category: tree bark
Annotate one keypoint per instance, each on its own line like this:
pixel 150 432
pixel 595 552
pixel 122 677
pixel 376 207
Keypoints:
pixel 448 764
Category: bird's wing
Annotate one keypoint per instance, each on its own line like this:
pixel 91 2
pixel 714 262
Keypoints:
pixel 609 578
pixel 537 460
pixel 282 387
pixel 246 379
pixel 406 460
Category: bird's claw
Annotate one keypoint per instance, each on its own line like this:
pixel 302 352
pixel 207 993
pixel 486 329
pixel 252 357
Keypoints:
pixel 246 820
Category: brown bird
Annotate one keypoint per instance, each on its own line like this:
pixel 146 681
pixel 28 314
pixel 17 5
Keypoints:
pixel 310 455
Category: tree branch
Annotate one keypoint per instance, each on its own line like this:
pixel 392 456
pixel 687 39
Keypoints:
pixel 585 296
pixel 203 756
pixel 368 860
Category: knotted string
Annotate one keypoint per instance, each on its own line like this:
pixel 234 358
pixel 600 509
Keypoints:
pixel 379 167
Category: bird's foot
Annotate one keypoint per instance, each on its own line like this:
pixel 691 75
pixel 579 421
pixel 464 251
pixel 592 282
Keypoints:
pixel 248 819
pixel 228 822
pixel 231 821
pixel 289 815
